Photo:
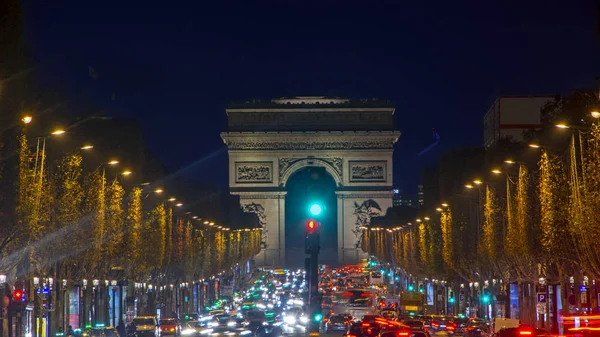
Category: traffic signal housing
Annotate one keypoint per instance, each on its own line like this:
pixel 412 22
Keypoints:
pixel 18 295
pixel 316 308
pixel 312 227
pixel 311 242
pixel 485 298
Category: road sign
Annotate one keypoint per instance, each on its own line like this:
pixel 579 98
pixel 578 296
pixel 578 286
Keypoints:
pixel 541 297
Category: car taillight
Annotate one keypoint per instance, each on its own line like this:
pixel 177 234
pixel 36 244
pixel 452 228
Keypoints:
pixel 403 333
pixel 365 325
pixel 470 329
pixel 525 333
pixel 350 335
pixel 450 328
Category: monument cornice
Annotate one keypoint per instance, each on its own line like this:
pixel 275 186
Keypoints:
pixel 260 195
pixel 310 140
pixel 311 109
pixel 364 194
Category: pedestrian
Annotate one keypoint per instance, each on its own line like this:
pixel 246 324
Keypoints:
pixel 121 329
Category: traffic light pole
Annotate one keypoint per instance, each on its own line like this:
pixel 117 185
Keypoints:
pixel 314 298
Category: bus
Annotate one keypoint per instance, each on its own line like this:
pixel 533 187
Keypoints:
pixel 411 303
pixel 355 302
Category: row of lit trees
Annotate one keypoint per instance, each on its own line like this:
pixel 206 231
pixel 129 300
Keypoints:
pixel 540 222
pixel 78 224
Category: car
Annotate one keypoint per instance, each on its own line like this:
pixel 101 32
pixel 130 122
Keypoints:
pixel 193 328
pixel 415 325
pixel 145 326
pixel 339 322
pixel 222 321
pixel 107 331
pixel 169 327
pixel 477 329
pixel 354 330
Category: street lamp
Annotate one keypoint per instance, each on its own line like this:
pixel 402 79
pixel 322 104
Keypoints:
pixel 509 161
pixel 477 182
pixel 27 119
pixel 58 132
pixel 468 186
pixel 87 147
pixel 172 199
pixel 595 114
pixel 113 162
pixel 179 205
pixel 496 171
pixel 562 126
pixel 126 173
pixel 534 146
pixel 158 190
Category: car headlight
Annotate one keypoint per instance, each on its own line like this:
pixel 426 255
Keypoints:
pixel 187 332
pixel 213 324
pixel 230 323
pixel 303 319
pixel 289 320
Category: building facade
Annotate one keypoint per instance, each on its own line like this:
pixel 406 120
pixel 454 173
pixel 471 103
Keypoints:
pixel 353 141
pixel 510 116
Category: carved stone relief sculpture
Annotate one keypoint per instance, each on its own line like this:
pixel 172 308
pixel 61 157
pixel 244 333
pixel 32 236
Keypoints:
pixel 364 213
pixel 259 210
pixel 253 172
pixel 368 171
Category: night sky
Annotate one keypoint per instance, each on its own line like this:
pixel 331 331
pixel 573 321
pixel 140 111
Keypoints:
pixel 176 65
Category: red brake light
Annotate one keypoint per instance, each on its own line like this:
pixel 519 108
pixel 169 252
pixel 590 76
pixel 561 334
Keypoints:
pixel 526 333
pixel 403 334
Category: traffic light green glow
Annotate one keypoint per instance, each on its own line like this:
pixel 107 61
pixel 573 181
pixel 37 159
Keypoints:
pixel 411 288
pixel 318 317
pixel 451 300
pixel 315 209
pixel 485 299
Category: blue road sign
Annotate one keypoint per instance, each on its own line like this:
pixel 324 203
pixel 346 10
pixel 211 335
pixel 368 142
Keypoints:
pixel 541 297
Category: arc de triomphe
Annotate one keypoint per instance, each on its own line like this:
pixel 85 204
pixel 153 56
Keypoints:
pixel 352 140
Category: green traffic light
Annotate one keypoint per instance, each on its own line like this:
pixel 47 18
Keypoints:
pixel 411 288
pixel 315 209
pixel 318 317
pixel 451 300
pixel 486 299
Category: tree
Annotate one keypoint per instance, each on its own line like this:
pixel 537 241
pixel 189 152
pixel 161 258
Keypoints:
pixel 134 225
pixel 115 218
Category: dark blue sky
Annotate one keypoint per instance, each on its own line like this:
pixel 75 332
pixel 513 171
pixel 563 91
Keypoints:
pixel 175 65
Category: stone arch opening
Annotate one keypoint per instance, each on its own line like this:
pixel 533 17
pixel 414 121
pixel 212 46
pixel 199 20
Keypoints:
pixel 306 185
pixel 290 166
